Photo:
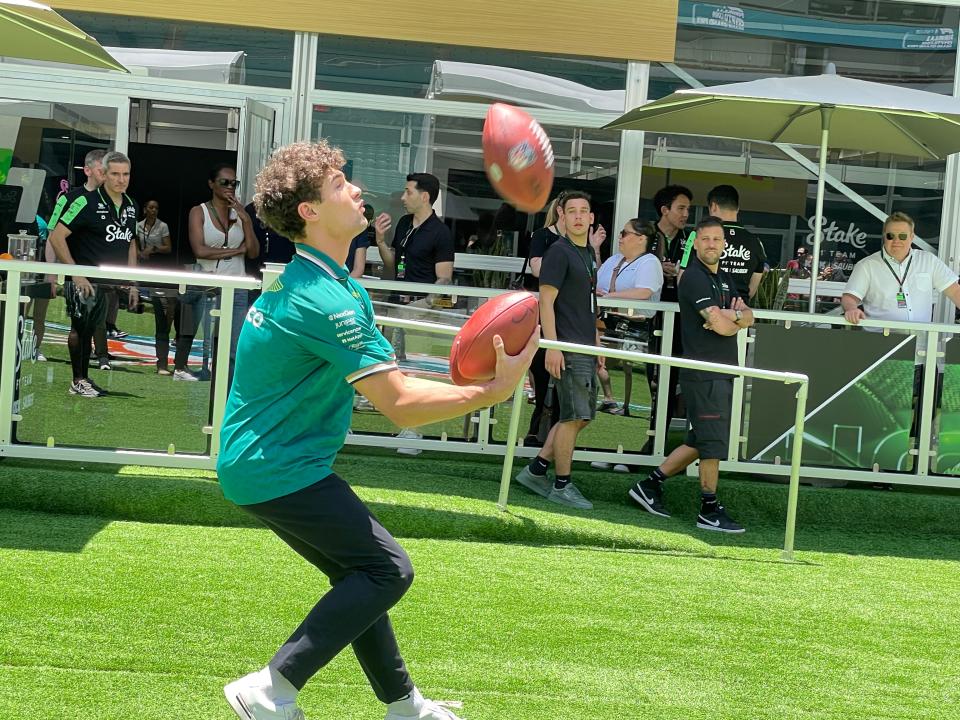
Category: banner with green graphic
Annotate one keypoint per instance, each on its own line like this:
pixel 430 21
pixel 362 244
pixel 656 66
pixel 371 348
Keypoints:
pixel 947 459
pixel 6 160
pixel 860 405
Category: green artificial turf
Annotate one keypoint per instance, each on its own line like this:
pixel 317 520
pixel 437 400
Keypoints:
pixel 138 592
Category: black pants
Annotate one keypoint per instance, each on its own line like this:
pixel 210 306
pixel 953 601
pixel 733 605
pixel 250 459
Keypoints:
pixel 85 315
pixel 369 572
pixel 658 393
pixel 167 311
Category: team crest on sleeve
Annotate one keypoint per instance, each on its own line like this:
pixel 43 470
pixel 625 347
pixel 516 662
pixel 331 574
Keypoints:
pixel 255 317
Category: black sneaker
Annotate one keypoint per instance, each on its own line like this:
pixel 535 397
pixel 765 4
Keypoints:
pixel 718 521
pixel 648 495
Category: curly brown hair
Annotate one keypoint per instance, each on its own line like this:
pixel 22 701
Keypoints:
pixel 293 174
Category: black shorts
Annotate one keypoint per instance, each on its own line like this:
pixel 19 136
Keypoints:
pixel 708 414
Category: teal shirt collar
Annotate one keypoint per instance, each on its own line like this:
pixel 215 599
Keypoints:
pixel 324 261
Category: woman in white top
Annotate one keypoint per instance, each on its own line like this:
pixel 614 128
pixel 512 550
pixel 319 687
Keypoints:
pixel 221 238
pixel 153 241
pixel 633 273
pixel 153 234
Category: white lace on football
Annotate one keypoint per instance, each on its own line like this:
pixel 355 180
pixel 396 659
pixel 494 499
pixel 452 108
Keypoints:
pixel 545 147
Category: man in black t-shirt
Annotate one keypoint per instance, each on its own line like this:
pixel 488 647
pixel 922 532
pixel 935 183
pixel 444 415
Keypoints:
pixel 96 228
pixel 568 313
pixel 672 203
pixel 711 314
pixel 744 258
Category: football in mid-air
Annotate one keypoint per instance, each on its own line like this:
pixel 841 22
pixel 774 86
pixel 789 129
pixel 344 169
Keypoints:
pixel 513 316
pixel 518 157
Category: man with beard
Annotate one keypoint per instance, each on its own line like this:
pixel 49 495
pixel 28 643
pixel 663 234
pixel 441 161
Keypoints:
pixel 711 314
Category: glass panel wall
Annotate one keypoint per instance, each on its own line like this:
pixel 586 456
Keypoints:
pixel 42 147
pixel 204 52
pixel 381 148
pixel 448 72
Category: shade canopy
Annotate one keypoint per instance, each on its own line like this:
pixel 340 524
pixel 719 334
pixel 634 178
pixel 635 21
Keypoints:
pixel 32 31
pixel 866 116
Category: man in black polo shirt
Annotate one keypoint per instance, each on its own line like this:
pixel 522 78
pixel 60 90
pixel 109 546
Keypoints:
pixel 568 313
pixel 711 315
pixel 744 258
pixel 421 251
pixel 95 228
pixel 422 247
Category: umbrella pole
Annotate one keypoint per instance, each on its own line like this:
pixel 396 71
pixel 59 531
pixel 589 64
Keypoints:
pixel 826 112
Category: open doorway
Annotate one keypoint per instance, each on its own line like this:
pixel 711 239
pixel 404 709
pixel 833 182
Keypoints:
pixel 172 148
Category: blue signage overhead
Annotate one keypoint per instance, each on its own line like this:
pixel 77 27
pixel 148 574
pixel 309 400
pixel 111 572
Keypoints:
pixel 817 30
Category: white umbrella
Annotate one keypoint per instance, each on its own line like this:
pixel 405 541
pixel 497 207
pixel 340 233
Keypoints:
pixel 825 110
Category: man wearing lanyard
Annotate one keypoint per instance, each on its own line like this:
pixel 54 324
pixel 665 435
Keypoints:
pixel 96 228
pixel 422 251
pixel 711 315
pixel 899 282
pixel 568 313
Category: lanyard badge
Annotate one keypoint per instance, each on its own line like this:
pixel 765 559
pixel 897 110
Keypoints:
pixel 901 294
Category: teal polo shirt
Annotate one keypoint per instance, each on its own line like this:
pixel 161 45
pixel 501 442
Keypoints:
pixel 304 342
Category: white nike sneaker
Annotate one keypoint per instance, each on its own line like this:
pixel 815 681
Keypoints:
pixel 417 707
pixel 249 701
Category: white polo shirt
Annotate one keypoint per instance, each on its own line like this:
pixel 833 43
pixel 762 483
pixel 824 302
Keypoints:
pixel 874 281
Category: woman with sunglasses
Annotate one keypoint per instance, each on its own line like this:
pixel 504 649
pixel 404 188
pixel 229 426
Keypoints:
pixel 222 237
pixel 633 273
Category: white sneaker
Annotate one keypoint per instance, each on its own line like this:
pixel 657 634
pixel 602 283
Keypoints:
pixel 417 707
pixel 40 357
pixel 361 404
pixel 408 434
pixel 184 375
pixel 250 702
pixel 83 388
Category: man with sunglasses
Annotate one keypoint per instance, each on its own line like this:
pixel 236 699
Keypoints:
pixel 899 282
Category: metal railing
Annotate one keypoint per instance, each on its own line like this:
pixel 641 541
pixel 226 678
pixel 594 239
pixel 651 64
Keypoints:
pixel 931 335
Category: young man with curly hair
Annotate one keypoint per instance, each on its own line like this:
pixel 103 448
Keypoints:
pixel 307 343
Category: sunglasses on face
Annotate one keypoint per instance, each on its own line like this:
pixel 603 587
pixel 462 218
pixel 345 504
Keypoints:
pixel 902 236
pixel 624 233
pixel 224 182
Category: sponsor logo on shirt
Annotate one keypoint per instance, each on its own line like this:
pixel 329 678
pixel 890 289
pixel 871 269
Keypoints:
pixel 741 253
pixel 255 317
pixel 118 232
